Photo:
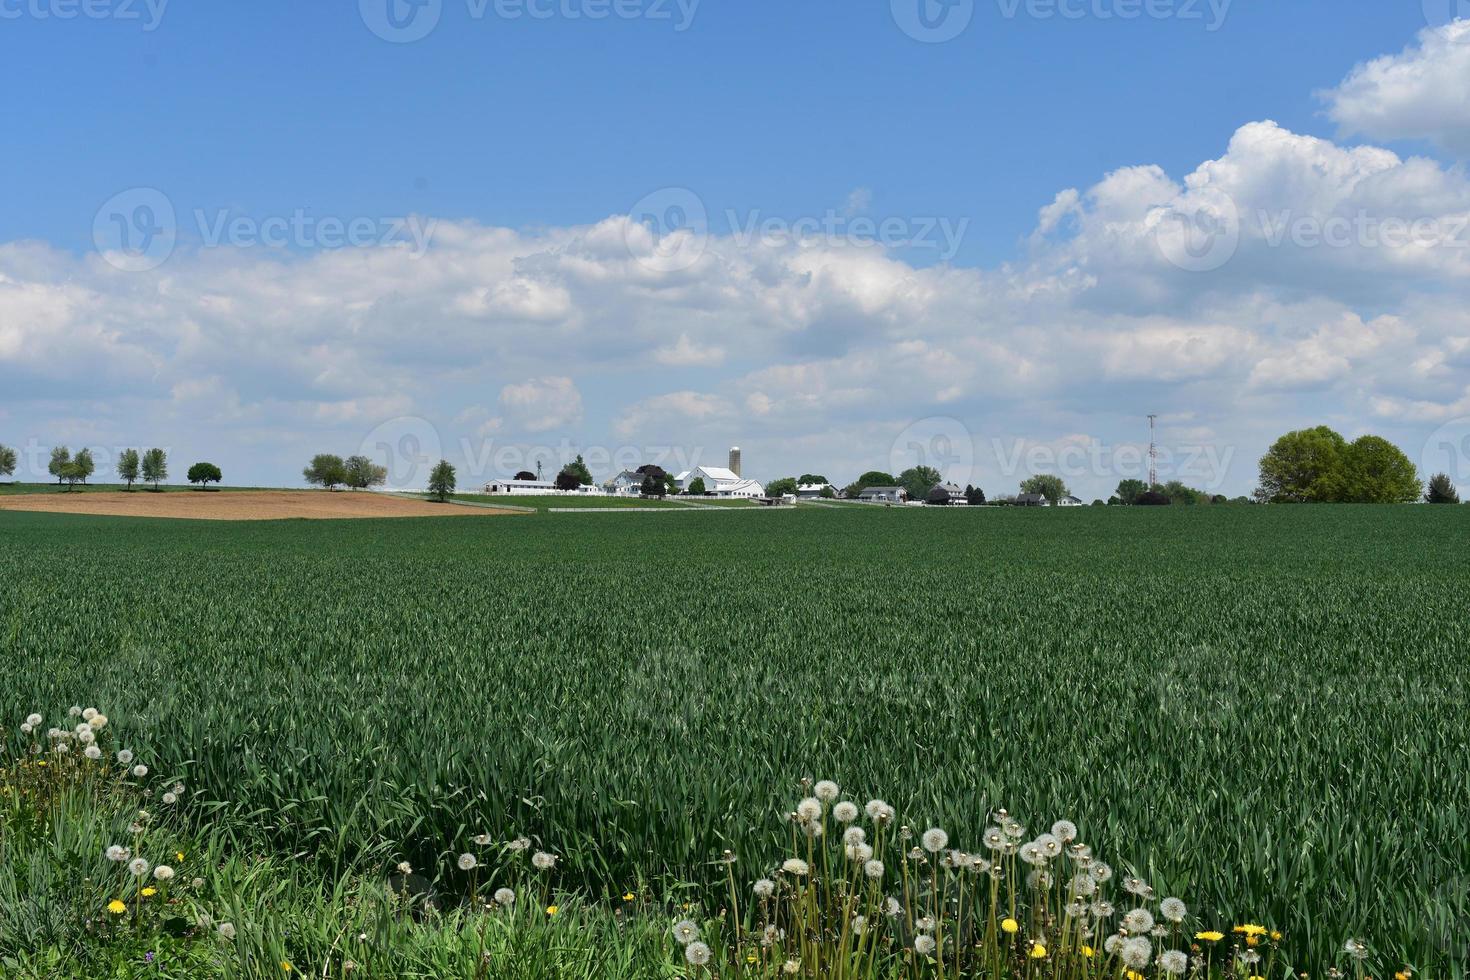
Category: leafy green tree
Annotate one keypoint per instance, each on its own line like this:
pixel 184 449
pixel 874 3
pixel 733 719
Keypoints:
pixel 1129 491
pixel 127 467
pixel 828 493
pixel 1375 471
pixel 1050 487
pixel 442 480
pixel 155 467
pixel 204 474
pixel 696 487
pixel 872 478
pixel 567 480
pixel 1303 467
pixel 1178 493
pixel 326 471
pixel 579 469
pixel 919 480
pixel 360 473
pixel 781 487
pixel 84 464
pixel 1441 490
pixel 7 461
pixel 810 479
pixel 671 485
pixel 60 459
pixel 974 496
pixel 73 473
pixel 654 485
pixel 1152 498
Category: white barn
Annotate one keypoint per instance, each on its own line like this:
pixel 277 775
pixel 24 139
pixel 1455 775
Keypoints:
pixel 720 482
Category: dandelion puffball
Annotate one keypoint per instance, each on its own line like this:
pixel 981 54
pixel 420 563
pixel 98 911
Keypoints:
pixel 873 869
pixel 924 945
pixel 138 867
pixel 33 719
pixel 795 866
pixel 697 954
pixel 467 862
pixel 163 873
pixel 140 771
pixel 99 721
pixel 764 888
pixel 125 756
pixel 226 930
pixel 116 853
pixel 934 840
pixel 505 897
pixel 1173 909
pixel 685 932
pixel 89 713
pixel 542 861
pixel 809 809
pixel 1138 920
pixel 1174 961
pixel 845 812
pixel 92 752
pixel 826 791
pixel 170 799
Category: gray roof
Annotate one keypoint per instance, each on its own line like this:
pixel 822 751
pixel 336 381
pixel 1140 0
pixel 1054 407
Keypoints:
pixel 1029 498
pixel 881 489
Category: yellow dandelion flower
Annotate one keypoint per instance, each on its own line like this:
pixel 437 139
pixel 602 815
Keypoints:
pixel 1134 975
pixel 285 966
pixel 1251 930
pixel 149 892
pixel 179 856
pixel 116 907
pixel 1038 951
pixel 1009 926
pixel 552 909
pixel 628 897
pixel 1086 951
pixel 1210 937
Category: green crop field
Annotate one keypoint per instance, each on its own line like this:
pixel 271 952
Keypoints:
pixel 1263 710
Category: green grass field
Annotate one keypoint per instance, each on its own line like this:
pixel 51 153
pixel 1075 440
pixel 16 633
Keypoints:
pixel 1263 710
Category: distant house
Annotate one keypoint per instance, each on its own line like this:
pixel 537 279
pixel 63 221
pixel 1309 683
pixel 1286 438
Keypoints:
pixel 812 491
pixel 628 483
pixel 1069 501
pixel 945 494
pixel 883 495
pixel 1031 500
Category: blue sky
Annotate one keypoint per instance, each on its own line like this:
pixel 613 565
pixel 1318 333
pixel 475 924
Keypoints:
pixel 521 138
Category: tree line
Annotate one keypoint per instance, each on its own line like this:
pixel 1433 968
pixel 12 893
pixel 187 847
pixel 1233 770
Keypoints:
pixel 329 472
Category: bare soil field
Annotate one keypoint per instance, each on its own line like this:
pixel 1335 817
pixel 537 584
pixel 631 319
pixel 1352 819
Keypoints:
pixel 244 505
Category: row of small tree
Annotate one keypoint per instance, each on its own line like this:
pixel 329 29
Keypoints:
pixel 150 466
pixel 360 473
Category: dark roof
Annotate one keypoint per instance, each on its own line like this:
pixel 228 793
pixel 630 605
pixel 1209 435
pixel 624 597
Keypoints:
pixel 881 489
pixel 1029 498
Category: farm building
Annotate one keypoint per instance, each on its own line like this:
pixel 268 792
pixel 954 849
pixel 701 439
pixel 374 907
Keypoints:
pixel 628 483
pixel 884 495
pixel 812 491
pixel 946 494
pixel 531 488
pixel 1031 500
pixel 720 482
pixel 1069 501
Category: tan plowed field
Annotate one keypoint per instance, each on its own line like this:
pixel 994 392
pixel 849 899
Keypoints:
pixel 242 505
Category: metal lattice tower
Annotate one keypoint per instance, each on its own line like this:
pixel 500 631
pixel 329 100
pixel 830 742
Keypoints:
pixel 1153 455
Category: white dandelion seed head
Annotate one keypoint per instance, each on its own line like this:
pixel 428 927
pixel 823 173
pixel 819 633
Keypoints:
pixel 83 729
pixel 140 770
pixel 795 866
pixel 116 852
pixel 826 791
pixel 1136 952
pixel 226 930
pixel 481 840
pixel 1102 910
pixel 163 873
pixel 934 840
pixel 170 799
pixel 1082 886
pixel 809 809
pixel 504 897
pixel 859 853
pixel 92 752
pixel 1356 948
pixel 86 738
pixel 1065 831
pixel 685 932
pixel 1101 871
pixel 75 711
pixel 854 835
pixel 845 812
pixel 1033 854
pixel 89 713
pixel 62 747
pixel 873 869
pixel 99 722
pixel 519 844
pixel 1173 909
pixel 994 838
pixel 405 868
pixel 924 923
pixel 764 888
pixel 891 908
pixel 1038 879
pixel 859 924
pixel 124 756
pixel 33 719
pixel 697 954
pixel 138 867
pixel 26 728
pixel 790 967
pixel 467 862
pixel 1050 844
pixel 1174 962
pixel 543 861
pixel 924 945
pixel 1111 944
pixel 1138 920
